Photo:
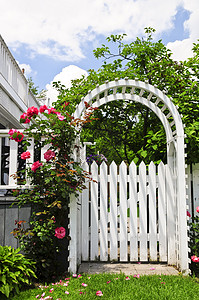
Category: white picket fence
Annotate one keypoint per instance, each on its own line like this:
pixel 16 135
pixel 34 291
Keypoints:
pixel 130 214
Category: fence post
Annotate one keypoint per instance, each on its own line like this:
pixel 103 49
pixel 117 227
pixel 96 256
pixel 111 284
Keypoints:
pixel 79 228
pixel 181 199
pixel 171 217
pixel 73 235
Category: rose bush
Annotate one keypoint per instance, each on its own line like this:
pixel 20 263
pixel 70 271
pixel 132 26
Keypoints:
pixel 53 178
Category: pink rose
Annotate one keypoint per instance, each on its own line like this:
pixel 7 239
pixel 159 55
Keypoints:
pixel 16 135
pixel 32 111
pixel 52 110
pixel 99 293
pixel 11 131
pixel 84 284
pixel 49 155
pixel 195 259
pixel 60 232
pixel 25 155
pixel 197 209
pixel 60 117
pixel 24 118
pixel 43 108
pixel 36 165
pixel 188 214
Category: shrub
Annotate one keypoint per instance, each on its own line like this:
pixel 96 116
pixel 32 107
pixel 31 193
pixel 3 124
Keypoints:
pixel 39 243
pixel 15 271
pixel 194 243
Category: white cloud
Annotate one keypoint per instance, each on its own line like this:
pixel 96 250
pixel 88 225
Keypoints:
pixel 59 28
pixel 183 49
pixel 65 76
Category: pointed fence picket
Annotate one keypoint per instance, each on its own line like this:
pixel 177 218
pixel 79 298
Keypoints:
pixel 123 238
pixel 113 212
pixel 152 212
pixel 85 218
pixel 94 214
pixel 103 213
pixel 124 213
pixel 133 222
pixel 142 199
pixel 162 212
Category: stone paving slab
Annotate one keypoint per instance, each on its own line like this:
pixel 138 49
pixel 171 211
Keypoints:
pixel 127 268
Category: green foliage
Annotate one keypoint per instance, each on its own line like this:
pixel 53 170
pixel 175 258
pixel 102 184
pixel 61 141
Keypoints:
pixel 35 89
pixel 15 271
pixel 194 242
pixel 121 129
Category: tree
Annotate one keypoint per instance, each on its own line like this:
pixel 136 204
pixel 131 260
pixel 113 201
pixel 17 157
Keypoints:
pixel 35 89
pixel 129 131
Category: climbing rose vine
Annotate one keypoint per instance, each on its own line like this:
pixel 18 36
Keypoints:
pixel 53 177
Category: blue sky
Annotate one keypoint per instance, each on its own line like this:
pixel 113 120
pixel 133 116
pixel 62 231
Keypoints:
pixel 46 37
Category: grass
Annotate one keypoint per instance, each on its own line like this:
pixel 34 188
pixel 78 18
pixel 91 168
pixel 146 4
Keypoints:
pixel 116 286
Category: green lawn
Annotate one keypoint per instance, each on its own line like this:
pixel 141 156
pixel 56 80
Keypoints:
pixel 115 286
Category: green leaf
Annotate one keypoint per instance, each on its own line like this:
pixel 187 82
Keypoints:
pixel 144 153
pixel 6 289
pixel 3 279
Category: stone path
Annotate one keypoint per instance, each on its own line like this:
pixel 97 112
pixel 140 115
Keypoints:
pixel 127 268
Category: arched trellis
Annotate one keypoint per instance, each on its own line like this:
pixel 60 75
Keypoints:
pixel 163 107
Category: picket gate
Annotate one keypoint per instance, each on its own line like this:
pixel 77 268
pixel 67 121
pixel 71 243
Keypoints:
pixel 124 213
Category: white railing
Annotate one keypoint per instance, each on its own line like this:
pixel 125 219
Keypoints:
pixel 10 161
pixel 11 73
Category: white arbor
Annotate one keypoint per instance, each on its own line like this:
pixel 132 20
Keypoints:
pixel 163 107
